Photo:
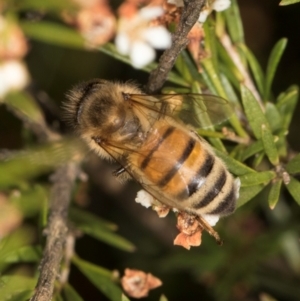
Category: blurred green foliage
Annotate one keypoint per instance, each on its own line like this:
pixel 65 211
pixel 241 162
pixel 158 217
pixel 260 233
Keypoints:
pixel 261 251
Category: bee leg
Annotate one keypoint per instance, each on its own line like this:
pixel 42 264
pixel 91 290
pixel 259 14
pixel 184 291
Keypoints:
pixel 206 226
pixel 121 174
pixel 119 171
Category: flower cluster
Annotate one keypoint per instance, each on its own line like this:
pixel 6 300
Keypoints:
pixel 137 39
pixel 141 27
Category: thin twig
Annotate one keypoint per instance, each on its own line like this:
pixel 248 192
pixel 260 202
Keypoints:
pixel 68 254
pixel 189 17
pixel 39 128
pixel 231 50
pixel 63 180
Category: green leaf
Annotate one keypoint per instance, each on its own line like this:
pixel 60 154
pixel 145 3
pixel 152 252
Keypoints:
pixel 80 216
pixel 100 277
pixel 23 104
pixel 58 297
pixel 210 43
pixel 258 159
pixel 214 76
pixel 294 189
pixel 53 33
pixel 269 144
pixel 163 298
pixel 99 229
pixel 288 2
pixel 186 67
pixel 254 66
pixel 29 201
pixel 234 23
pixel 253 111
pixel 255 178
pixel 217 84
pixel 210 134
pixel 17 239
pixel 234 166
pixel 23 254
pixel 45 5
pixel 228 66
pixel 16 288
pixel 273 116
pixel 110 49
pixel 21 296
pixel 286 105
pixel 294 165
pixel 124 298
pixel 273 62
pixel 70 293
pixel 248 193
pixel 206 122
pixel 207 82
pixel 282 145
pixel 274 193
pixel 108 237
pixel 252 149
pixel 230 92
pixel 36 161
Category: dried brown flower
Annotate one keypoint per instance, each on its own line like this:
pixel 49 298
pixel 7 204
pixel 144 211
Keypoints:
pixel 94 20
pixel 196 36
pixel 137 283
pixel 161 210
pixel 190 231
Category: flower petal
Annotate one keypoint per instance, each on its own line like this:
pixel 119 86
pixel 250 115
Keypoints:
pixel 203 15
pixel 141 54
pixel 220 5
pixel 122 43
pixel 149 13
pixel 158 37
pixel 13 76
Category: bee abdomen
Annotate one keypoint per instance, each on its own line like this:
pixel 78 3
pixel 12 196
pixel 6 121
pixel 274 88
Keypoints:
pixel 186 172
pixel 217 193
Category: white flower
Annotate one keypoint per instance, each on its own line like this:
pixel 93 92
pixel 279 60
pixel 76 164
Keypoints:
pixel 203 15
pixel 149 13
pixel 144 198
pixel 220 5
pixel 136 39
pixel 217 5
pixel 13 76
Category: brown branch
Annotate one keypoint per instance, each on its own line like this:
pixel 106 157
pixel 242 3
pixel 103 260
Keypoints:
pixel 63 180
pixel 189 17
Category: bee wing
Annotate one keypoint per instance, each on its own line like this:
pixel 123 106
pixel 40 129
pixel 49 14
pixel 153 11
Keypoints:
pixel 115 150
pixel 198 110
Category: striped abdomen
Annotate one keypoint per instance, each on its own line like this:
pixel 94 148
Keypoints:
pixel 184 170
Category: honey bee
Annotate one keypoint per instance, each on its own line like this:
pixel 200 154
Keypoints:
pixel 165 155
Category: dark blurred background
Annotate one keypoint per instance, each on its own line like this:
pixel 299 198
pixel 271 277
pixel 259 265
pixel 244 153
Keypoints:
pixel 245 267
